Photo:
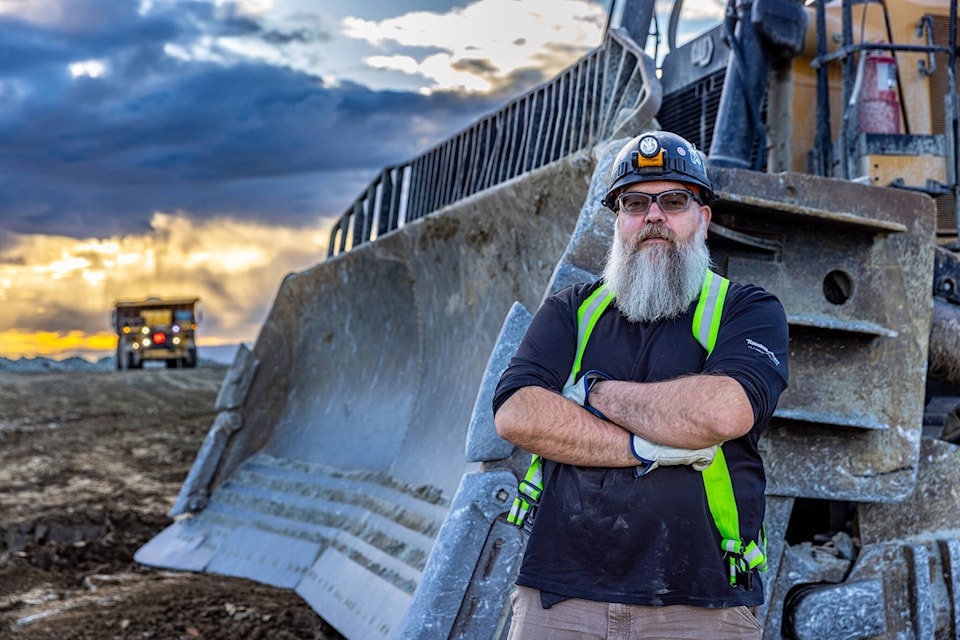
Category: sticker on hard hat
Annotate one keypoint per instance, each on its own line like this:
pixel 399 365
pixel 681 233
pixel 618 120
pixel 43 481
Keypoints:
pixel 681 151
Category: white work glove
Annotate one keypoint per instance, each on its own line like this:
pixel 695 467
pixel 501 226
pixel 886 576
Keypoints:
pixel 653 455
pixel 579 391
pixel 649 454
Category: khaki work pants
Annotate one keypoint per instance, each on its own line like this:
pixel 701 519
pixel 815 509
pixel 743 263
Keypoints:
pixel 588 620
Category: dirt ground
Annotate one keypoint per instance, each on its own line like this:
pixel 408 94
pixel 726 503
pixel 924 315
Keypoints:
pixel 90 464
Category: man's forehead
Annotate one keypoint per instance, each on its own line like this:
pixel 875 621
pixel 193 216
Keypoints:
pixel 656 186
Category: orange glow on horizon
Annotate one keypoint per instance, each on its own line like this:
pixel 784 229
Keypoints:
pixel 57 292
pixel 16 344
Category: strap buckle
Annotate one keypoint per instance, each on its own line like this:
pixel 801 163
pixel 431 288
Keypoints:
pixel 744 560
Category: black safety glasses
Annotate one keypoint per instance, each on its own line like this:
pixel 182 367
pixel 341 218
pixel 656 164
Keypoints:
pixel 638 203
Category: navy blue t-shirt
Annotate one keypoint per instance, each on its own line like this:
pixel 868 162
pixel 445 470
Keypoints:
pixel 602 534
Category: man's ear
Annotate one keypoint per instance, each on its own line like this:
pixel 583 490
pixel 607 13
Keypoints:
pixel 707 215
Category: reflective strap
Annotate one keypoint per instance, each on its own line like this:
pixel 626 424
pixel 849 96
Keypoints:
pixel 530 490
pixel 716 478
pixel 731 546
pixel 531 486
pixel 761 548
pixel 743 561
pixel 723 506
pixel 706 319
pixel 518 512
pixel 755 557
pixel 590 309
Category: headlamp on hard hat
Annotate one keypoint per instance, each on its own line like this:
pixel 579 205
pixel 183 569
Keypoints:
pixel 658 155
pixel 649 153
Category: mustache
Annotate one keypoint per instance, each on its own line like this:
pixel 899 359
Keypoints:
pixel 653 230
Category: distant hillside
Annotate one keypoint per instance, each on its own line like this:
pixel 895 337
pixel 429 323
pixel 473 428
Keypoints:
pixel 79 364
pixel 47 364
pixel 218 356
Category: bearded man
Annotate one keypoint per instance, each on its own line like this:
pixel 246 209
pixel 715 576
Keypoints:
pixel 642 398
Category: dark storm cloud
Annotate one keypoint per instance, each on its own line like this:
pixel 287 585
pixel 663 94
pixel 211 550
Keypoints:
pixel 477 66
pixel 303 36
pixel 97 156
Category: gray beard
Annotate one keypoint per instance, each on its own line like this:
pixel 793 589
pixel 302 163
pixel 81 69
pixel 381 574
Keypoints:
pixel 656 282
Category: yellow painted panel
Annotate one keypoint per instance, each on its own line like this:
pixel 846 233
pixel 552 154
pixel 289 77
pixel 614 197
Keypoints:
pixel 914 170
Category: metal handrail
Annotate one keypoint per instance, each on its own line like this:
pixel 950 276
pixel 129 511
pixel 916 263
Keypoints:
pixel 610 92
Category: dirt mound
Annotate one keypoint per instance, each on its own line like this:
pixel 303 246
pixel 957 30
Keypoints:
pixel 90 464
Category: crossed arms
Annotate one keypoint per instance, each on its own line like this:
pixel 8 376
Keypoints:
pixel 691 412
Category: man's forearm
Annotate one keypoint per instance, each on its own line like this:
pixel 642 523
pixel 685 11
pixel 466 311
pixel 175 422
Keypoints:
pixel 690 412
pixel 546 423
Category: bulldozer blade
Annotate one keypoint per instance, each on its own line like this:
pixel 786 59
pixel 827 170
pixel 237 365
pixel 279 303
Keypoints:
pixel 332 469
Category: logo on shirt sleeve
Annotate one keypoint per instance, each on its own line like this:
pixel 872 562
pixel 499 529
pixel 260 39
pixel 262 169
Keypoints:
pixel 761 348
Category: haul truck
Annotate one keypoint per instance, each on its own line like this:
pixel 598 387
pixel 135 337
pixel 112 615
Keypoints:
pixel 354 459
pixel 156 329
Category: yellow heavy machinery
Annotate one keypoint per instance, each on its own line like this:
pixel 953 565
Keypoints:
pixel 354 459
pixel 155 329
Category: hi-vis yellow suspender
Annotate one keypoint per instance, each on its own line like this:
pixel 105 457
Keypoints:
pixel 743 556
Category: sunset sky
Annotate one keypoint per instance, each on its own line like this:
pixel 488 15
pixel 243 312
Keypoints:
pixel 203 147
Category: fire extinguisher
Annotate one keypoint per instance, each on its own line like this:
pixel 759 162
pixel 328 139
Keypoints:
pixel 878 107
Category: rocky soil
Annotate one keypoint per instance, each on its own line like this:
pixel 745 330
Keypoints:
pixel 90 464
